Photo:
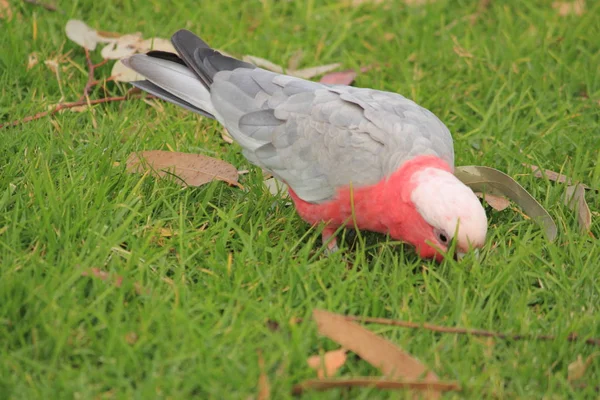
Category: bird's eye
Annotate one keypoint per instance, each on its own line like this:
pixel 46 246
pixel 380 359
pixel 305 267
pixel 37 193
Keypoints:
pixel 442 236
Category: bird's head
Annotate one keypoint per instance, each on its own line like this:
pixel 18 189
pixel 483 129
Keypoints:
pixel 442 210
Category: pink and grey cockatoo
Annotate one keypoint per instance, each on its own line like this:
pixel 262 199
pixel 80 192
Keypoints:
pixel 350 156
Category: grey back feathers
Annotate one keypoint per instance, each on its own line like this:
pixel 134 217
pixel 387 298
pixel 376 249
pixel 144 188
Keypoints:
pixel 315 137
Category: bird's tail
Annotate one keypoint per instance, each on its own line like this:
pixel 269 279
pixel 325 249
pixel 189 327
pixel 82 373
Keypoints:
pixel 183 79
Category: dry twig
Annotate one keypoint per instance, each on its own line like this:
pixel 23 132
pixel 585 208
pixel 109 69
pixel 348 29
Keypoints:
pixel 83 100
pixel 573 337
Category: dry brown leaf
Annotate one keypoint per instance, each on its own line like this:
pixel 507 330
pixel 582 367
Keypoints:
pixel 575 200
pixel 5 10
pixel 329 363
pixel 498 203
pixel 551 175
pixel 308 73
pixel 373 382
pixel 377 351
pixel 121 73
pixel 339 78
pixel 264 388
pixel 183 168
pixel 32 60
pixel 577 368
pixel 565 8
pixel 262 63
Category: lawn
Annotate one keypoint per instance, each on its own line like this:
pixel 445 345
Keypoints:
pixel 202 279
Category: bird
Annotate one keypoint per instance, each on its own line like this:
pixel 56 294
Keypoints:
pixel 351 157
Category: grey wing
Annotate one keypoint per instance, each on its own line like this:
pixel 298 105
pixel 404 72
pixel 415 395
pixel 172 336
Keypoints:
pixel 318 138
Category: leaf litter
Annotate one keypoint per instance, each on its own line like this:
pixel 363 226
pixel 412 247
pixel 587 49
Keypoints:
pixel 183 168
pixel 400 369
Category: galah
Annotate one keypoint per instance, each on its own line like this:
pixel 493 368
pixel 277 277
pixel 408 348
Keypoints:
pixel 350 156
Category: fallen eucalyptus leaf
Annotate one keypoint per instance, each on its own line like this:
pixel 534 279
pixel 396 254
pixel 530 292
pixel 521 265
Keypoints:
pixel 552 176
pixel 183 168
pixel 377 351
pixel 339 78
pixel 498 203
pixel 575 200
pixel 490 180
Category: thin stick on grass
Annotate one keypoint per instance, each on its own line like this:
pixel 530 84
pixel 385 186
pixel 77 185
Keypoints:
pixel 464 331
pixel 83 100
pixel 373 382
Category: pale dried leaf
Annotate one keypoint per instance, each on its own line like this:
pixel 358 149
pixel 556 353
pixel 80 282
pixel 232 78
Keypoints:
pixel 329 363
pixel 575 200
pixel 576 370
pixel 276 187
pixel 32 60
pixel 80 33
pixel 264 388
pixel 226 136
pixel 262 63
pixel 339 78
pixel 498 203
pixel 156 44
pixel 295 60
pixel 5 10
pixel 114 51
pixel 183 168
pixel 308 73
pixel 565 8
pixel 377 351
pixel 121 73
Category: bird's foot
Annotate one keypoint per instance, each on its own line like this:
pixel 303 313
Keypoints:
pixel 329 239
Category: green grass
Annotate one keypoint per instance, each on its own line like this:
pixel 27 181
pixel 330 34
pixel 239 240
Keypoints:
pixel 529 93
